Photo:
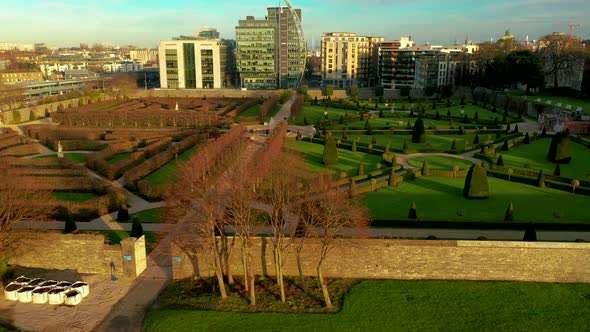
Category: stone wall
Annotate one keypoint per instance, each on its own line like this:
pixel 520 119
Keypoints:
pixel 200 93
pixel 84 253
pixel 415 259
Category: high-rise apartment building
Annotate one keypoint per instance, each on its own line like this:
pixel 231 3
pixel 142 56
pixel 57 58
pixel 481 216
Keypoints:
pixel 397 64
pixel 193 64
pixel 271 51
pixel 348 59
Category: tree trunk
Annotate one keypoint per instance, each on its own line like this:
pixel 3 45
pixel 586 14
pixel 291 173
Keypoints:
pixel 280 278
pixel 245 265
pixel 251 280
pixel 324 286
pixel 300 268
pixel 219 274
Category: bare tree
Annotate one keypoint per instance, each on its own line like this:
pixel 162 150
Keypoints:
pixel 120 85
pixel 332 213
pixel 18 197
pixel 560 53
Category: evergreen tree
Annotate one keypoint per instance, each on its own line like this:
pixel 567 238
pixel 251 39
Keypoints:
pixel 507 128
pixel 361 169
pixel 476 183
pixel 353 149
pixel 330 156
pixel 557 171
pixel 425 168
pixel 560 149
pixel 505 146
pixel 344 136
pixel 437 116
pixel 412 214
pixel 405 146
pixel 476 116
pixel 392 178
pixel 298 135
pixel 530 234
pixel 136 228
pixel 496 121
pixel 515 131
pixel 123 214
pixel 500 161
pixel 509 216
pixel 449 113
pixel 476 139
pixel 454 146
pixel 373 140
pixel 527 139
pixel 541 179
pixel 544 132
pixel 465 119
pixel 418 132
pixel 70 224
pixel 380 114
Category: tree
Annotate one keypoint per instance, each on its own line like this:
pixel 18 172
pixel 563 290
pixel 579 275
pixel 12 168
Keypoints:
pixel 509 216
pixel 70 224
pixel 412 214
pixel 524 67
pixel 575 183
pixel 392 178
pixel 418 132
pixel 500 161
pixel 353 148
pixel 361 169
pixel 560 149
pixel 379 91
pixel 530 234
pixel 425 168
pixel 454 146
pixel 12 95
pixel 476 183
pixel 329 90
pixel 120 85
pixel 541 179
pixel 20 198
pixel 515 130
pixel 354 92
pixel 476 139
pixel 405 146
pixel 557 170
pixel 330 156
pixel 333 212
pixel 559 53
pixel 527 139
pixel 476 116
pixel 509 171
pixel 136 228
pixel 505 145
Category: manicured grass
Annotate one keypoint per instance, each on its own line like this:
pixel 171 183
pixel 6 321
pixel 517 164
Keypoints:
pixel 535 156
pixel 348 160
pixel 314 113
pixel 440 163
pixel 555 98
pixel 252 111
pixel 412 306
pixel 76 157
pixel 439 198
pixel 150 216
pixel 119 157
pixel 437 142
pixel 162 175
pixel 73 196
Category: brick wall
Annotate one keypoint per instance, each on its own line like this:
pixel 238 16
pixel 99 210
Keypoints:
pixel 84 253
pixel 416 259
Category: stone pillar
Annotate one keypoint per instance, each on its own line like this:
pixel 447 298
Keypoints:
pixel 134 257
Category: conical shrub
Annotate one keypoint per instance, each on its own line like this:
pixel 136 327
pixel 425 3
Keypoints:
pixel 476 183
pixel 425 168
pixel 500 161
pixel 418 132
pixel 541 179
pixel 509 216
pixel 136 228
pixel 330 156
pixel 413 214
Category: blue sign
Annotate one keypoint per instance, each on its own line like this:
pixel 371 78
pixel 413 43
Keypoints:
pixel 177 259
pixel 126 258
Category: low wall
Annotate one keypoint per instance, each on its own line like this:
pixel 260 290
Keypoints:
pixel 413 259
pixel 200 93
pixel 84 253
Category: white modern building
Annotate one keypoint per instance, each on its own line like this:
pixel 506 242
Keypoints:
pixel 193 64
pixel 123 67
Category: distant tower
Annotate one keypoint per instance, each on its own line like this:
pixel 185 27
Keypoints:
pixel 526 41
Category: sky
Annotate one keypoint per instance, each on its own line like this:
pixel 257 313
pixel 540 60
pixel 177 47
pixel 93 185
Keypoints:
pixel 146 22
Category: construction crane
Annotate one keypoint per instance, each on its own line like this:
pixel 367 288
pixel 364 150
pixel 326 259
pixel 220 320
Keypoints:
pixel 572 27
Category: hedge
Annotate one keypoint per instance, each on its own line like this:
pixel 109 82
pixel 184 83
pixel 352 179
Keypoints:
pixel 22 150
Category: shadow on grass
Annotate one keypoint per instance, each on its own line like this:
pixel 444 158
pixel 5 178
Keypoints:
pixel 425 182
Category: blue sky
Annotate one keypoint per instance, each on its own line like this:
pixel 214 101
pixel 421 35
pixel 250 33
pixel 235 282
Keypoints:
pixel 145 22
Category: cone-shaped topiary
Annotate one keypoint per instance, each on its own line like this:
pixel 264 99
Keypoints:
pixel 405 146
pixel 123 214
pixel 352 190
pixel 412 114
pixel 541 179
pixel 527 139
pixel 392 178
pixel 476 139
pixel 509 216
pixel 373 140
pixel 544 132
pixel 508 128
pixel 418 133
pixel 70 224
pixel 454 146
pixel 505 146
pixel 500 161
pixel 449 113
pixel 437 116
pixel 361 169
pixel 330 156
pixel 298 135
pixel 557 171
pixel 425 168
pixel 136 228
pixel 476 116
pixel 387 148
pixel 353 149
pixel 380 114
pixel 476 183
pixel 560 150
pixel 530 234
pixel 515 130
pixel 413 214
pixel 498 134
pixel 465 119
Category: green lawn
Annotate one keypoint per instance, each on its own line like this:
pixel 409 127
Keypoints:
pixel 252 111
pixel 73 196
pixel 438 142
pixel 150 216
pixel 162 175
pixel 348 160
pixel 76 157
pixel 535 156
pixel 412 306
pixel 549 95
pixel 439 198
pixel 440 163
pixel 314 113
pixel 119 157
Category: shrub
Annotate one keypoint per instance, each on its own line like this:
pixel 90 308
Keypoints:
pixel 509 216
pixel 373 140
pixel 70 224
pixel 544 132
pixel 454 146
pixel 123 214
pixel 412 214
pixel 361 169
pixel 557 171
pixel 560 150
pixel 136 228
pixel 353 149
pixel 298 135
pixel 476 116
pixel 500 161
pixel 418 133
pixel 405 146
pixel 392 177
pixel 330 156
pixel 476 139
pixel 526 139
pixel 431 237
pixel 505 146
pixel 530 234
pixel 425 168
pixel 476 183
pixel 541 179
pixel 515 130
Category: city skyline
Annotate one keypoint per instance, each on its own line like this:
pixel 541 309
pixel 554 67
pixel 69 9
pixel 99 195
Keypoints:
pixel 144 23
